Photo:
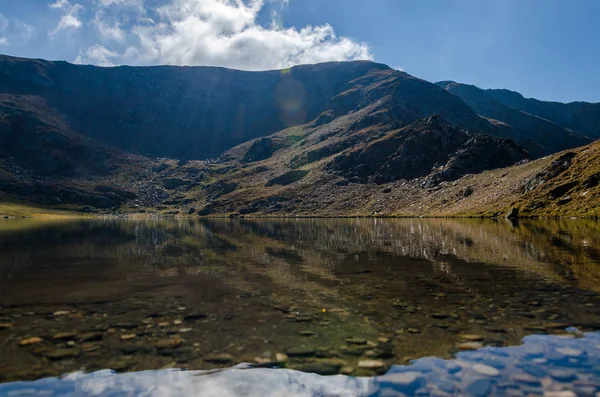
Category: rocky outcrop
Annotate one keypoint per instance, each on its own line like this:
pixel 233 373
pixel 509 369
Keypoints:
pixel 527 122
pixel 429 148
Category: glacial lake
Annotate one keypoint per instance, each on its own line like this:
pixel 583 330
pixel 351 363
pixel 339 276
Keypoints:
pixel 405 306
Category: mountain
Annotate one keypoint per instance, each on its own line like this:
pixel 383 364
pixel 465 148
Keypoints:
pixel 577 116
pixel 535 131
pixel 338 138
pixel 199 112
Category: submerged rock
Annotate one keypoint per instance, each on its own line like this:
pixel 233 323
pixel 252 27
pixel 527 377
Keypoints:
pixel 30 341
pixel 223 358
pixel 470 346
pixel 320 367
pixel 356 341
pixel 513 213
pixel 300 352
pixel 65 336
pixel 61 354
pixel 371 364
pixel 168 343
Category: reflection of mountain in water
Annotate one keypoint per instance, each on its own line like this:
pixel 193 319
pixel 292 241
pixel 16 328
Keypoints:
pixel 566 250
pixel 555 249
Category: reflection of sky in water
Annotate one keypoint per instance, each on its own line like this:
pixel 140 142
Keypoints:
pixel 548 366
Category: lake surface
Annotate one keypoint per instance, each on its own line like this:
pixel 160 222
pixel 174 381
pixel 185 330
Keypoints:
pixel 349 296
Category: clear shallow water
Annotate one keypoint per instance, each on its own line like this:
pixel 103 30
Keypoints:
pixel 543 365
pixel 330 295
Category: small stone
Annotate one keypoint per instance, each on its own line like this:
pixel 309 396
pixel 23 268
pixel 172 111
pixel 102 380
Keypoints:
pixel 177 322
pixel 471 337
pixel 128 336
pixel 164 324
pixel 402 381
pixel 562 375
pixel 470 346
pixel 4 326
pixel 347 370
pixel 30 341
pixel 125 326
pixel 71 343
pixel 91 337
pixel 562 393
pixel 281 358
pixel 61 354
pixel 527 379
pixel 569 352
pixel 496 330
pixel 172 343
pixel 219 359
pixel 486 370
pixel 320 368
pixel 383 340
pixel 185 330
pixel 196 344
pixel 263 361
pixel 413 331
pixel 300 352
pixel 61 313
pixel 307 333
pixel 91 347
pixel 479 388
pixel 195 317
pixel 65 336
pixel 356 341
pixel 371 364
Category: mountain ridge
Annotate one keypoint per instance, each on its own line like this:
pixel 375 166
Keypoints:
pixel 335 138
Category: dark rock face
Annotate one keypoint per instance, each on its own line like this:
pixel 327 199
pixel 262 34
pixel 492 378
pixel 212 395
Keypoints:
pixel 557 167
pixel 540 127
pixel 577 116
pixel 261 149
pixel 36 138
pixel 179 112
pixel 427 148
pixel 200 112
pixel 287 178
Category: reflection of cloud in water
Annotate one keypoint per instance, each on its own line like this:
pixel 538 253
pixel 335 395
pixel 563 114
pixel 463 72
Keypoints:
pixel 542 365
pixel 166 383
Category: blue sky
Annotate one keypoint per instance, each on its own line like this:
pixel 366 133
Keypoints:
pixel 548 49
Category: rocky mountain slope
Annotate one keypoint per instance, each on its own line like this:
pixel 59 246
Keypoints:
pixel 199 112
pixel 375 178
pixel 576 116
pixel 540 135
pixel 354 138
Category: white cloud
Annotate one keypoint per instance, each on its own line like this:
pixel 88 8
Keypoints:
pixel 96 55
pixel 108 3
pixel 3 25
pixel 70 17
pixel 226 33
pixel 18 31
pixel 110 30
pixel 25 30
